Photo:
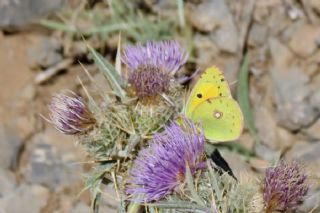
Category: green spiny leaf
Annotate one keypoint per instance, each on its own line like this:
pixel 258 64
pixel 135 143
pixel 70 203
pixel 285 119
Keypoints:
pixel 134 207
pixel 181 13
pixel 57 26
pixel 109 71
pixel 96 202
pixel 118 56
pixel 191 188
pixel 243 97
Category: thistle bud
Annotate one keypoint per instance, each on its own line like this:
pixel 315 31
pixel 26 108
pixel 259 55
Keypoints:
pixel 285 186
pixel 69 114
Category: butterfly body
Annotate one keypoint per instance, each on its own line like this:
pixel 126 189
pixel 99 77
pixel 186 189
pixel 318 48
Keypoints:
pixel 211 104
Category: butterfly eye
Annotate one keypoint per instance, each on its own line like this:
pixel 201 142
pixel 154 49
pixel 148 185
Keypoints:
pixel 199 95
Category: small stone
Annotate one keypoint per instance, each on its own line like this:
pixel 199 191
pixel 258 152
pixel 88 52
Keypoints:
pixel 7 183
pixel 66 202
pixel 15 13
pixel 81 208
pixel 291 84
pixel 277 19
pixel 308 154
pixel 294 13
pixel 208 55
pixel 257 35
pixel 266 126
pixel 109 205
pixel 314 59
pixel 282 57
pixel 230 69
pixel 214 16
pixel 315 4
pixel 304 40
pixel 203 16
pixel 311 68
pixel 270 134
pixel 49 166
pixel 247 141
pixel 45 54
pixel 287 33
pixel 15 73
pixel 313 132
pixel 226 39
pixel 311 203
pixel 28 93
pixel 79 48
pixel 24 126
pixel 10 145
pixel 261 12
pixel 105 208
pixel 285 138
pixel 266 153
pixel 315 99
pixel 291 91
pixel 236 162
pixel 258 58
pixel 259 164
pixel 206 50
pixel 163 7
pixel 295 115
pixel 26 199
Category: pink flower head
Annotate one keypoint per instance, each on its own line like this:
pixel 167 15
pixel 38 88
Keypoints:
pixel 151 67
pixel 159 168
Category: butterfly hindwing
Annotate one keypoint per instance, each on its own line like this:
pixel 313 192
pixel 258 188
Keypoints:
pixel 220 117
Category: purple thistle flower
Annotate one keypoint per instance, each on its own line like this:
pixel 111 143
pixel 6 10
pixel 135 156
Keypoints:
pixel 151 67
pixel 70 115
pixel 285 186
pixel 161 167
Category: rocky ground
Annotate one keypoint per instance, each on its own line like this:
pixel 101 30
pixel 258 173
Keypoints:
pixel 42 170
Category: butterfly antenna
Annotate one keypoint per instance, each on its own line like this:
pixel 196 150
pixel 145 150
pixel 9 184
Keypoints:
pixel 184 79
pixel 233 82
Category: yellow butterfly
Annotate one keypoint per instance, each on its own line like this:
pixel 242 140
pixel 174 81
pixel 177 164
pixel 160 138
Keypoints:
pixel 211 104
